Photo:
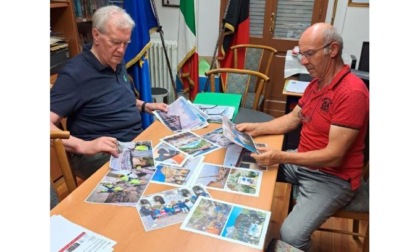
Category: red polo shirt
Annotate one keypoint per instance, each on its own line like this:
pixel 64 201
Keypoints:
pixel 344 103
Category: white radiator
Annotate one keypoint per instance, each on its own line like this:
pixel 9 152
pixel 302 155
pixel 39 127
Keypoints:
pixel 159 73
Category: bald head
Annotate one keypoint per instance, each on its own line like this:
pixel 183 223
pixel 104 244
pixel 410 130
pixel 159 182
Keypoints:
pixel 320 34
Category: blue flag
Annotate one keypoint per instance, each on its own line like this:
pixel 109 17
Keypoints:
pixel 135 56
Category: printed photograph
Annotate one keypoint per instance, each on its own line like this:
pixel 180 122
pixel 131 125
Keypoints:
pixel 216 112
pixel 213 176
pixel 121 187
pixel 133 155
pixel 228 221
pixel 168 155
pixel 241 138
pixel 181 117
pixel 177 176
pixel 217 137
pixel 190 143
pixel 244 181
pixel 167 207
pixel 237 156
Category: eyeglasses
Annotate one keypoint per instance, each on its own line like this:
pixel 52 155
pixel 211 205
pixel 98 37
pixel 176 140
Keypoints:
pixel 311 53
pixel 115 42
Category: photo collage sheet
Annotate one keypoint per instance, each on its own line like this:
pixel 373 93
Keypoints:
pixel 177 160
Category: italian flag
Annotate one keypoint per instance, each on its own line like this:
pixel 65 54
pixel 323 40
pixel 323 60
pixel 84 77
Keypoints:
pixel 187 67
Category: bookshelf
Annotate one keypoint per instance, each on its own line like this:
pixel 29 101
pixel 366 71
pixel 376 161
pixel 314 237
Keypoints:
pixel 62 22
pixel 83 11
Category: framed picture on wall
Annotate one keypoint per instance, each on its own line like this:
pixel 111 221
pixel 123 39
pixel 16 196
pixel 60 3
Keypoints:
pixel 170 3
pixel 359 3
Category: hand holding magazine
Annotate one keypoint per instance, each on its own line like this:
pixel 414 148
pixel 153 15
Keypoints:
pixel 240 138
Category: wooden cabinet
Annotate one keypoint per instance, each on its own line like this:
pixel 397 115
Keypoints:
pixel 63 23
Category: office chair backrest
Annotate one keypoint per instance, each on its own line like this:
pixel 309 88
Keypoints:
pixel 57 144
pixel 238 82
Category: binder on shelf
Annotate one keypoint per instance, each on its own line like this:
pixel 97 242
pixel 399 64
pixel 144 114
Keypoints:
pixel 223 99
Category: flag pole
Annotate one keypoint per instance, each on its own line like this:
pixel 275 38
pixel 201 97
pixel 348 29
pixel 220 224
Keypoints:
pixel 219 40
pixel 159 29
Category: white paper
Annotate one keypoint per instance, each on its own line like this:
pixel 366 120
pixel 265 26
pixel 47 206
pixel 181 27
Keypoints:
pixel 295 86
pixel 68 236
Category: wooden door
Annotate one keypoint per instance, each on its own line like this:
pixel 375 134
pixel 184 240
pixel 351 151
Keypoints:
pixel 279 23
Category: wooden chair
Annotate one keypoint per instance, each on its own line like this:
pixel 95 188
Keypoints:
pixel 238 81
pixel 257 58
pixel 57 144
pixel 357 210
pixel 254 55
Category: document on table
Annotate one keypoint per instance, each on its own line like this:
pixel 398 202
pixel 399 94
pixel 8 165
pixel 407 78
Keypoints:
pixel 68 236
pixel 295 86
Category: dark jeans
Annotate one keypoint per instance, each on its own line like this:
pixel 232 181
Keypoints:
pixel 85 165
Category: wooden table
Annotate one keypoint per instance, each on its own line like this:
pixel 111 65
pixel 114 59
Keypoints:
pixel 123 224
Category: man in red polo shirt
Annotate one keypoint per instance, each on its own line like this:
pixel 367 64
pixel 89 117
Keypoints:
pixel 334 112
